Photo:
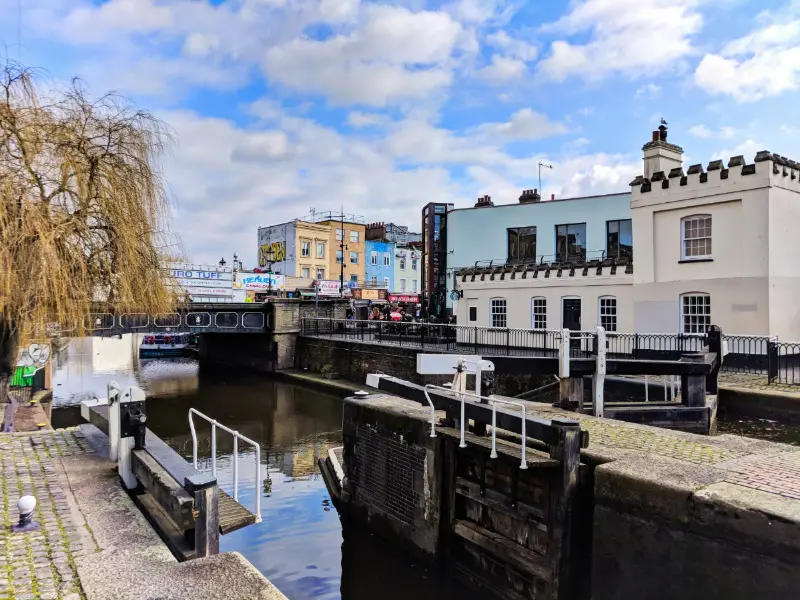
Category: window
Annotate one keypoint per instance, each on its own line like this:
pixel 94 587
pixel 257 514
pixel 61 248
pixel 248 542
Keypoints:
pixel 413 264
pixel 498 315
pixel 386 259
pixel 619 239
pixel 353 278
pixel 306 272
pixel 608 313
pixel 354 237
pixel 386 282
pixel 414 285
pixel 320 250
pixel 320 273
pixel 305 249
pixel 571 242
pixel 373 258
pixel 374 281
pixel 473 313
pixel 538 313
pixel 354 258
pixel 402 285
pixel 696 237
pixel 695 313
pixel 340 234
pixel 521 244
pixel 403 263
pixel 339 257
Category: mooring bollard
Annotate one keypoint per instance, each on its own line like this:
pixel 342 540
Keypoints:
pixel 26 505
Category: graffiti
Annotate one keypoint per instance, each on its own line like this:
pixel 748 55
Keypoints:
pixel 278 249
pixel 35 355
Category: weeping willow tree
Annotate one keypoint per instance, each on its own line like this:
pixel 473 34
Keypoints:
pixel 83 212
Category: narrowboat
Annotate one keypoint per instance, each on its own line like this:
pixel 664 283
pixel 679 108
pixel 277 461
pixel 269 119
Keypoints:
pixel 165 344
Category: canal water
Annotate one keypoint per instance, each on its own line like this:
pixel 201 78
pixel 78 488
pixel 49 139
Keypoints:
pixel 300 545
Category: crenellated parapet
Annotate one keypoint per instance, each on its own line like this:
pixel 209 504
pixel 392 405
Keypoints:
pixel 533 270
pixel 778 170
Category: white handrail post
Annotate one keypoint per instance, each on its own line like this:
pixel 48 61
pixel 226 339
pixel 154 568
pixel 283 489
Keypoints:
pixel 433 411
pixel 463 444
pixel 236 467
pixel 599 377
pixel 494 431
pixel 524 463
pixel 214 448
pixel 258 483
pixel 646 389
pixel 194 439
pixel 563 354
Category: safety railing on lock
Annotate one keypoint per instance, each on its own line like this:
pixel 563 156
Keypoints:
pixel 490 400
pixel 236 437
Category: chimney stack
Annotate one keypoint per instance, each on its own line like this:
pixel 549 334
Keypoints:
pixel 660 155
pixel 529 196
pixel 484 202
pixel 552 196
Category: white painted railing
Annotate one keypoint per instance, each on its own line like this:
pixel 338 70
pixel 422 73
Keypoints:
pixel 236 437
pixel 491 400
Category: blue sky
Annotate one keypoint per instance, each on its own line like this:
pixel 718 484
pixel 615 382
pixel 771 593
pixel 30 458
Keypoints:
pixel 279 106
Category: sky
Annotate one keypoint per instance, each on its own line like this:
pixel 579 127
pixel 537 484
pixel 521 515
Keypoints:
pixel 282 106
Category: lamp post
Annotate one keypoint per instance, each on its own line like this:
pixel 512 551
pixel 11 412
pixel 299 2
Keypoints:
pixel 270 259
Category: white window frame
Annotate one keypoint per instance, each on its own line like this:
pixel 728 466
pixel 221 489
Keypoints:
pixel 386 282
pixel 373 257
pixel 402 263
pixel 414 286
pixel 413 264
pixel 402 285
pixel 305 272
pixel 387 259
pixel 534 313
pixel 502 316
pixel 320 273
pixel 606 313
pixel 339 234
pixel 320 250
pixel 353 237
pixel 353 258
pixel 305 248
pixel 684 239
pixel 694 327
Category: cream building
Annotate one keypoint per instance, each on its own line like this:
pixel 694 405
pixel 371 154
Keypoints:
pixel 299 249
pixel 710 245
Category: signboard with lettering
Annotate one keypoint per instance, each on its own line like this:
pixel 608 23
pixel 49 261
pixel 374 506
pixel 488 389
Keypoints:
pixel 369 294
pixel 259 281
pixel 328 287
pixel 201 280
pixel 404 298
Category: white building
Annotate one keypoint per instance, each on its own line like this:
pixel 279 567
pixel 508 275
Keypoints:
pixel 710 246
pixel 407 270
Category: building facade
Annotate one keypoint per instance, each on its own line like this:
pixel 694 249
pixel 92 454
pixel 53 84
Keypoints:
pixel 407 271
pixel 346 240
pixel 434 259
pixel 300 249
pixel 684 250
pixel 379 268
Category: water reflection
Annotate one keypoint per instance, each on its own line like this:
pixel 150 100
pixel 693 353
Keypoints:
pixel 300 545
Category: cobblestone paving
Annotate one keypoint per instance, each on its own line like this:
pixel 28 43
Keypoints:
pixel 39 564
pixel 614 435
pixel 777 474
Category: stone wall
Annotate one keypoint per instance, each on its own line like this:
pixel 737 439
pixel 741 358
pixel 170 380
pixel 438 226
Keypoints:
pixel 354 360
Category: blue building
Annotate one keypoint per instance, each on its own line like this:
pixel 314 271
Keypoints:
pixel 379 268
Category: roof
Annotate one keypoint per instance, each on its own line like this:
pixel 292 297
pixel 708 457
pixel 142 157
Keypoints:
pixel 495 207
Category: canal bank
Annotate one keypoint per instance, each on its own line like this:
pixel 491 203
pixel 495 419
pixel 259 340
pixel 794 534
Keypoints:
pixel 92 543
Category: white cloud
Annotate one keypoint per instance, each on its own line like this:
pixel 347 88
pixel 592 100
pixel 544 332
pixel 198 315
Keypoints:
pixel 700 131
pixel 513 47
pixel 650 90
pixel 362 119
pixel 704 133
pixel 627 36
pixel 764 63
pixel 524 124
pixel 502 70
pixel 395 55
pixel 748 149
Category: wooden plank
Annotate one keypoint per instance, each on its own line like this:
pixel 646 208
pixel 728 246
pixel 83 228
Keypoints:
pixel 497 501
pixel 232 515
pixel 206 526
pixel 165 527
pixel 535 458
pixel 504 549
pixel 169 494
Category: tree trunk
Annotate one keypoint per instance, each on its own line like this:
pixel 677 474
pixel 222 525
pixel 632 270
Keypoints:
pixel 8 363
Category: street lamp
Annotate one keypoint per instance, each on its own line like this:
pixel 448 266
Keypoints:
pixel 269 259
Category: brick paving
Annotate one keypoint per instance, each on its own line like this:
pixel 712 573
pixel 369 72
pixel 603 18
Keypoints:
pixel 776 474
pixel 39 564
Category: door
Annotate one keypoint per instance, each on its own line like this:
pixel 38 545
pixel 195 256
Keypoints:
pixel 571 318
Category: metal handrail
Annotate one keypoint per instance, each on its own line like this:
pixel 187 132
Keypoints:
pixel 494 401
pixel 236 437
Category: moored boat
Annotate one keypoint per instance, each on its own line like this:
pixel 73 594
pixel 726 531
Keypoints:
pixel 164 344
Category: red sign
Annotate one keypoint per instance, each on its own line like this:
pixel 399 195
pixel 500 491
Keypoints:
pixel 403 298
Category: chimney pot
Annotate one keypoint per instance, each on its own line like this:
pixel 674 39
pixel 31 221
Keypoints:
pixel 552 196
pixel 656 136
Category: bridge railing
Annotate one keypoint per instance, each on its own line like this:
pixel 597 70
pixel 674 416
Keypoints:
pixel 766 356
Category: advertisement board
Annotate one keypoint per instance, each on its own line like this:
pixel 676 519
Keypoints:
pixel 369 294
pixel 259 282
pixel 404 298
pixel 327 287
pixel 201 280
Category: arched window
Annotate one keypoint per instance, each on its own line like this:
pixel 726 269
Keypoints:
pixel 696 237
pixel 695 312
pixel 607 313
pixel 498 313
pixel 539 312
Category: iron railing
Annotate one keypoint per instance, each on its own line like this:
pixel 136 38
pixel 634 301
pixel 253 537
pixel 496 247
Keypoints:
pixel 766 356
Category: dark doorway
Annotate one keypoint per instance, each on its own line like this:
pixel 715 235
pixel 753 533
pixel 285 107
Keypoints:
pixel 571 318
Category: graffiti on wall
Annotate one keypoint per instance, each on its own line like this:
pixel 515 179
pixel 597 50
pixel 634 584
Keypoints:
pixel 278 249
pixel 35 355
